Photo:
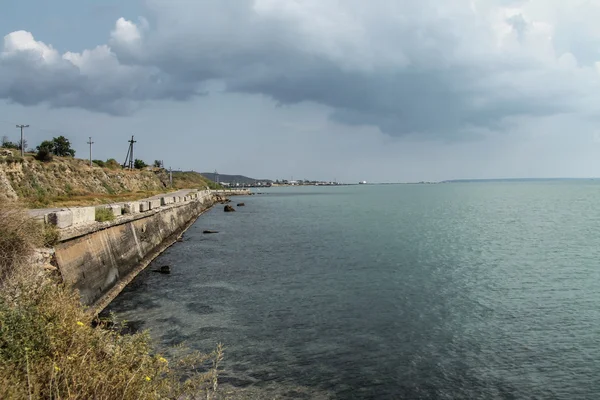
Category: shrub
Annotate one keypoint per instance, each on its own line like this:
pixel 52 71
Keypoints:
pixel 111 163
pixel 51 235
pixel 99 163
pixel 49 349
pixel 139 164
pixel 104 214
pixel 44 155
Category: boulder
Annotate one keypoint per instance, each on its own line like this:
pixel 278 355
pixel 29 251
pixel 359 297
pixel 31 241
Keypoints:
pixel 165 269
pixel 5 153
pixel 228 208
pixel 241 204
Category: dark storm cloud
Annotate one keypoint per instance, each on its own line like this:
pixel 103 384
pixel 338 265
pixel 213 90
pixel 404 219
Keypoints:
pixel 431 68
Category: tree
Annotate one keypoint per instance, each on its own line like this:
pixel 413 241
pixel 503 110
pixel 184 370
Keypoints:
pixel 158 164
pixel 59 146
pixel 7 144
pixel 139 164
pixel 22 144
pixel 62 147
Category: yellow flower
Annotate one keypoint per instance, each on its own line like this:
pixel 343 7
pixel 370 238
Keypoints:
pixel 56 368
pixel 80 323
pixel 163 360
pixel 69 358
pixel 148 379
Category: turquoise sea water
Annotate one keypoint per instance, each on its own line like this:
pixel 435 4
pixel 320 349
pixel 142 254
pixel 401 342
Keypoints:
pixel 469 290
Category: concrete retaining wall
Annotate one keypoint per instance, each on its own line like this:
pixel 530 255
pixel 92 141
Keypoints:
pixel 100 258
pixel 96 262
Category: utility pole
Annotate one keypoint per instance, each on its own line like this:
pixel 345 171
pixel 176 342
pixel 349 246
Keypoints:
pixel 90 143
pixel 22 144
pixel 129 158
pixel 171 176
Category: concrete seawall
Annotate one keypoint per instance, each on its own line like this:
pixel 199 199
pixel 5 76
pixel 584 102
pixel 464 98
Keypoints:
pixel 100 259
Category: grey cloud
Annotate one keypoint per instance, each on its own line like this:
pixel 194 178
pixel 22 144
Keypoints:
pixel 428 68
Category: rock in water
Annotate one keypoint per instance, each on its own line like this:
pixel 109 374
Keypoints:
pixel 228 208
pixel 210 232
pixel 165 269
pixel 241 204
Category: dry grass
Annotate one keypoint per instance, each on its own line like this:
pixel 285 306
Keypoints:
pixel 51 348
pixel 192 180
pixel 19 236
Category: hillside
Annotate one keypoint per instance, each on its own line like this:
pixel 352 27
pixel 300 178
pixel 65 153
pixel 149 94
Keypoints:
pixel 70 181
pixel 233 179
pixel 189 179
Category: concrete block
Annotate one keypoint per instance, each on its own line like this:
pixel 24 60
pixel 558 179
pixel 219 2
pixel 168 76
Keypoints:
pixel 154 204
pixel 166 200
pixel 62 219
pixel 83 215
pixel 117 210
pixel 144 206
pixel 132 207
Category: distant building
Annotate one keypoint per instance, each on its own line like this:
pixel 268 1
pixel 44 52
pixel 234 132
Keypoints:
pixel 362 182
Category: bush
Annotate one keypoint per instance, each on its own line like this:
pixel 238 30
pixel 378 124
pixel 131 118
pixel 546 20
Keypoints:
pixel 99 163
pixel 104 214
pixel 139 164
pixel 49 349
pixel 19 236
pixel 44 155
pixel 111 163
pixel 51 235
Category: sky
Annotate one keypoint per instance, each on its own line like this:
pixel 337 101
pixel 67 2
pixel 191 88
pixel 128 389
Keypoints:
pixel 383 91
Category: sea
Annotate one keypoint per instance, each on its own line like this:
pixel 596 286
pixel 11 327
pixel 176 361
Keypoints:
pixel 475 290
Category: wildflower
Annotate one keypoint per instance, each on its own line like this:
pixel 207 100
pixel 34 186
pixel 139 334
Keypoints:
pixel 148 379
pixel 163 360
pixel 69 358
pixel 56 368
pixel 80 323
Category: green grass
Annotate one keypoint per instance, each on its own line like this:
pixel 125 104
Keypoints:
pixel 104 214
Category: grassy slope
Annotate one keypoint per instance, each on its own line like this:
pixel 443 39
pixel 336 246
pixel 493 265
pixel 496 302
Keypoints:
pixel 72 182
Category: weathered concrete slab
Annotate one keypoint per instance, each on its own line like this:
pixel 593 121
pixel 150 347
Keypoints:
pixel 144 206
pixel 116 209
pixel 164 201
pixel 153 204
pixel 62 219
pixel 131 207
pixel 83 215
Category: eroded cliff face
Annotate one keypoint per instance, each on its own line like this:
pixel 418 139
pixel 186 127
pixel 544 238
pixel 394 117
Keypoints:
pixel 29 179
